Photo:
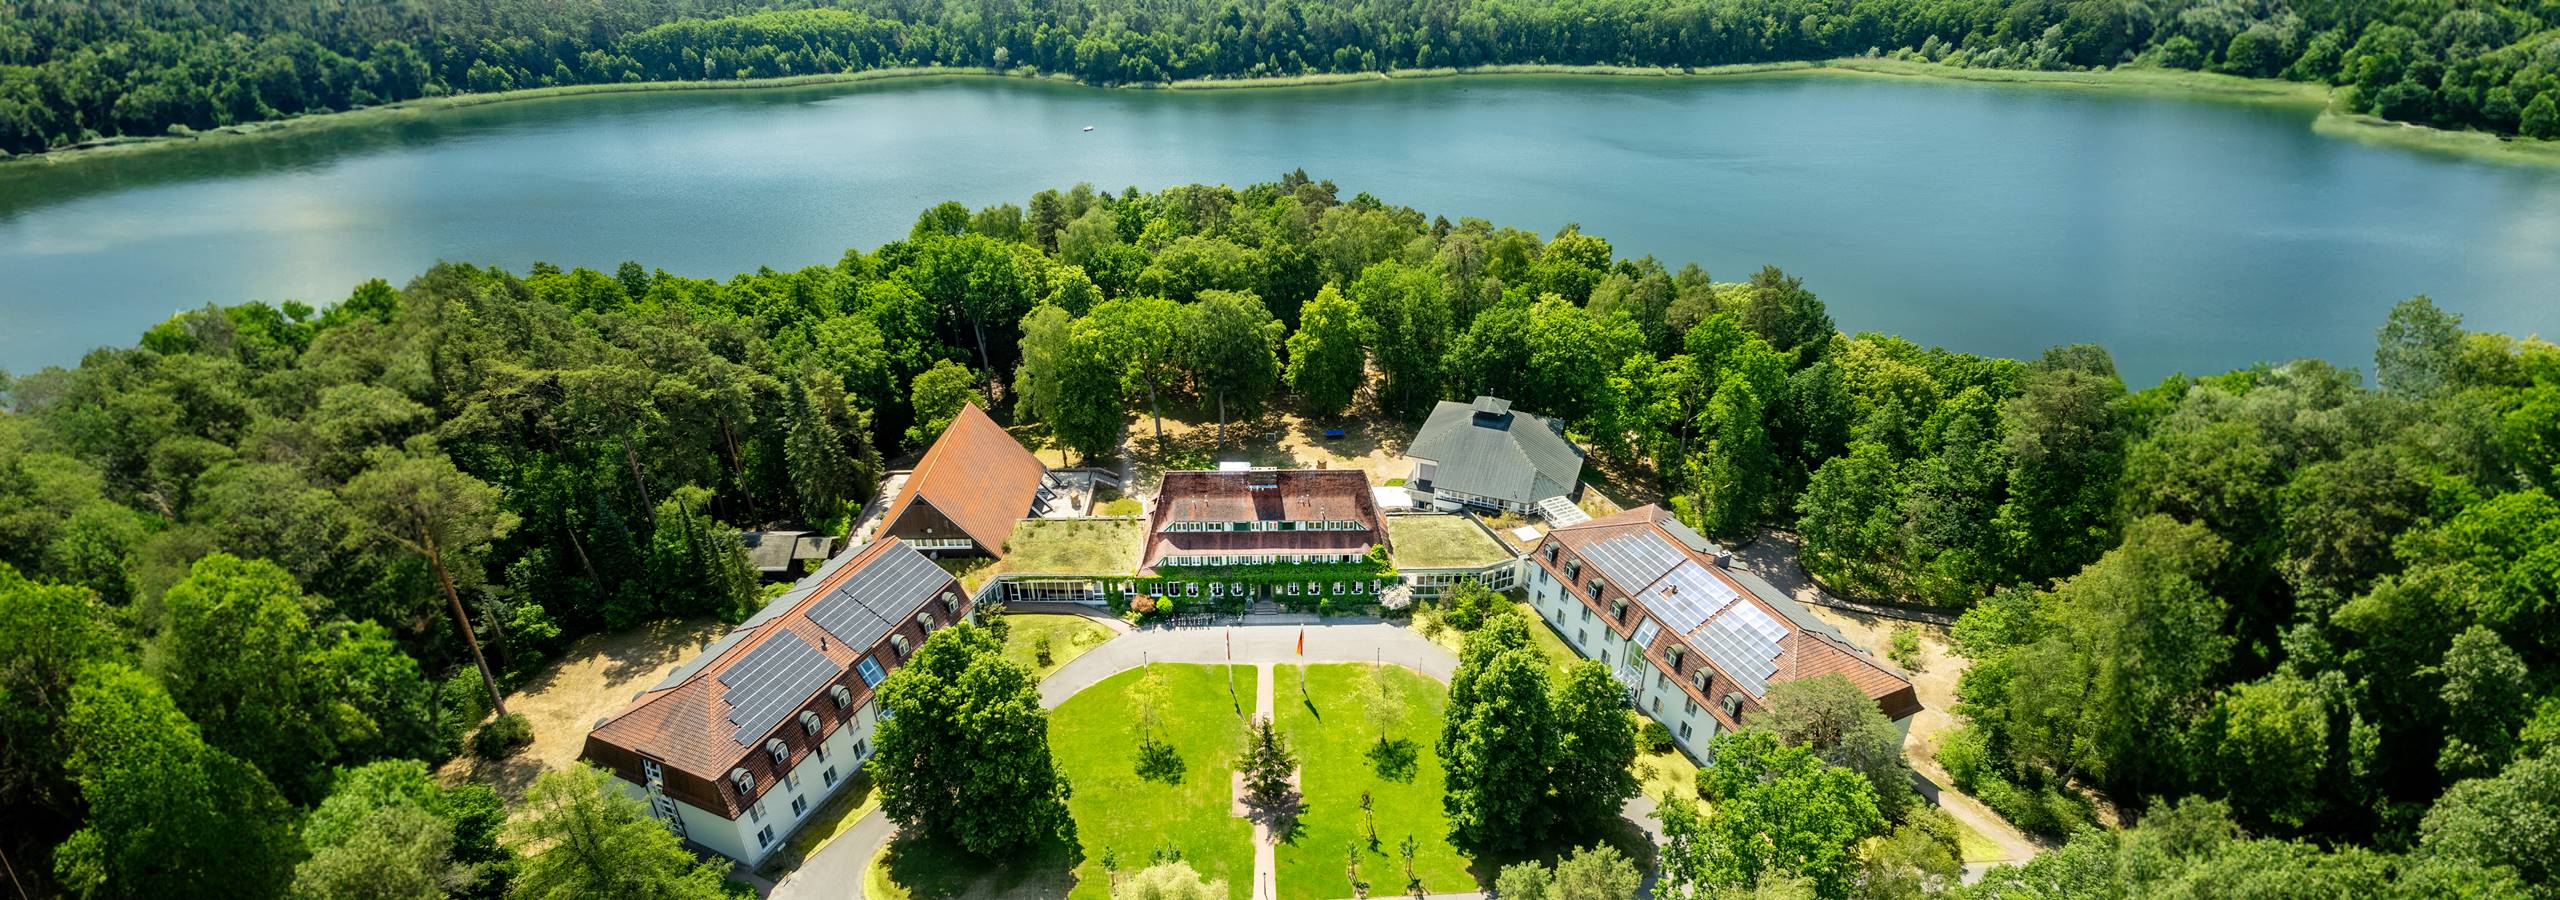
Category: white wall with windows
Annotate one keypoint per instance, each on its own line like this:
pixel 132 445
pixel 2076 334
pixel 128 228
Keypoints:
pixel 785 807
pixel 1691 725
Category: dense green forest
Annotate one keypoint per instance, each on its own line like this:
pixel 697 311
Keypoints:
pixel 237 553
pixel 78 72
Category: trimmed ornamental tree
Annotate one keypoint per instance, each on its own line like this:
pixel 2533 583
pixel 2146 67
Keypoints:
pixel 964 748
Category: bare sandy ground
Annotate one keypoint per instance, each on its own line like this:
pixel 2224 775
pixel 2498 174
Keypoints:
pixel 595 678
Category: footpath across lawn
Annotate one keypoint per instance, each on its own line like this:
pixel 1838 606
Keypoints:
pixel 1094 737
pixel 1334 738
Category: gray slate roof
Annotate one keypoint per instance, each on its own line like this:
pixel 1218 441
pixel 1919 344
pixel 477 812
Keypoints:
pixel 1488 449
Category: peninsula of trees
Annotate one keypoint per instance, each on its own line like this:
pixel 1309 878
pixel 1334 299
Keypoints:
pixel 240 555
pixel 72 73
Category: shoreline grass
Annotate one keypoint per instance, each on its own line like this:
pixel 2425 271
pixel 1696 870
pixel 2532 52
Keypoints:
pixel 123 147
pixel 2332 119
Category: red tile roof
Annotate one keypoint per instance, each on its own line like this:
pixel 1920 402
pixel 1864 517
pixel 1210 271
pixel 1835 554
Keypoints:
pixel 977 476
pixel 1263 495
pixel 685 724
pixel 1803 652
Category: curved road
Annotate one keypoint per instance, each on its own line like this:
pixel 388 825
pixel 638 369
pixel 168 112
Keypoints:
pixel 836 870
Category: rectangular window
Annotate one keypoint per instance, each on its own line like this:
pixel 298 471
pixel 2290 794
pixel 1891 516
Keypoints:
pixel 755 812
pixel 1688 707
pixel 764 837
pixel 1657 706
pixel 799 807
pixel 871 673
pixel 822 751
pixel 861 750
pixel 1586 614
pixel 1684 731
pixel 828 776
pixel 1582 636
pixel 1604 656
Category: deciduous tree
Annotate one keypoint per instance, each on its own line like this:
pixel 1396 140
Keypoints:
pixel 964 748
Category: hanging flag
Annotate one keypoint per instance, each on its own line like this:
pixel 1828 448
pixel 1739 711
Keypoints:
pixel 1302 642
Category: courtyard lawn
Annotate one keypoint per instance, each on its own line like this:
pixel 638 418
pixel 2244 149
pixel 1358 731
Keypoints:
pixel 1093 736
pixel 1332 737
pixel 1069 637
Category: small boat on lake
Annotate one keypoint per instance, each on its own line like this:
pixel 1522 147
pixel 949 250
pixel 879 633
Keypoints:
pixel 1088 128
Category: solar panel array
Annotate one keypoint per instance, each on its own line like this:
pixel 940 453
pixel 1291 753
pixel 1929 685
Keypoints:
pixel 1744 643
pixel 1689 596
pixel 865 607
pixel 768 685
pixel 1633 559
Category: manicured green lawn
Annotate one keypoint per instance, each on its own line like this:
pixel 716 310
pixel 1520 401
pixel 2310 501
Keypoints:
pixel 1332 738
pixel 1069 637
pixel 1093 736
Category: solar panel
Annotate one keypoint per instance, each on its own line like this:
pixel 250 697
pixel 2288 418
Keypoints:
pixel 1743 641
pixel 766 686
pixel 861 610
pixel 1689 596
pixel 1635 559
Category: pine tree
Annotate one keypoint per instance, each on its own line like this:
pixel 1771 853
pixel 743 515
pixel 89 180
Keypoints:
pixel 1268 766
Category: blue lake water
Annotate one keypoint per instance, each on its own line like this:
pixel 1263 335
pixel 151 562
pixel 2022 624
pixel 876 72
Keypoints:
pixel 2183 235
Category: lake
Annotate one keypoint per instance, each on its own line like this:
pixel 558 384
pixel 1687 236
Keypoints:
pixel 2184 235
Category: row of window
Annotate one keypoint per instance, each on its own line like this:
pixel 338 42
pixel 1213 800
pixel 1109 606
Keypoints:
pixel 1267 525
pixel 1674 656
pixel 1260 559
pixel 872 674
pixel 800 803
pixel 1291 588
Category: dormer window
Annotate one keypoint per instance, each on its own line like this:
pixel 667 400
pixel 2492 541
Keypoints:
pixel 780 752
pixel 1703 679
pixel 900 643
pixel 843 695
pixel 810 723
pixel 744 781
pixel 1733 705
pixel 951 602
pixel 1673 656
pixel 1617 608
pixel 1551 552
pixel 924 620
pixel 1572 569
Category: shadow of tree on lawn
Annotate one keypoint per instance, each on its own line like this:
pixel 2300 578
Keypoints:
pixel 1395 760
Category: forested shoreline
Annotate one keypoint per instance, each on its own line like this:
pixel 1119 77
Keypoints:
pixel 76 73
pixel 261 525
